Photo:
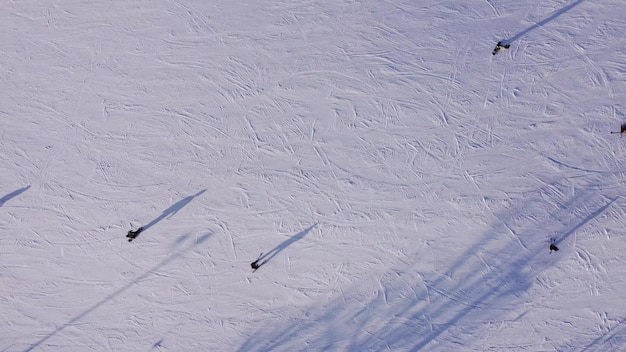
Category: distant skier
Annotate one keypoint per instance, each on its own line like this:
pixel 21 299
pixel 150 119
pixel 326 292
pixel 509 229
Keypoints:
pixel 258 262
pixel 500 46
pixel 553 246
pixel 132 234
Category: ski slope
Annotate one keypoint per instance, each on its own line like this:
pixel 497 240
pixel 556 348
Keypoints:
pixel 401 183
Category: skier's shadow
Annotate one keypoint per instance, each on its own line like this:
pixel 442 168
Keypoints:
pixel 13 195
pixel 265 258
pixel 542 23
pixel 169 212
pixel 590 217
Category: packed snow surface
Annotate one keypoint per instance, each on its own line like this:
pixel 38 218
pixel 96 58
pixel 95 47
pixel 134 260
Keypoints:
pixel 400 184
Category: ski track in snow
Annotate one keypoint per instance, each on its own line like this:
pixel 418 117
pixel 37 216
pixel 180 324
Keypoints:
pixel 403 183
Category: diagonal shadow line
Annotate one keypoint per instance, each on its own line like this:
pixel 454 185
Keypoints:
pixel 586 220
pixel 274 252
pixel 480 292
pixel 552 17
pixel 277 342
pixel 562 164
pixel 172 210
pixel 118 292
pixel 13 194
pixel 606 337
pixel 511 278
pixel 498 291
pixel 491 294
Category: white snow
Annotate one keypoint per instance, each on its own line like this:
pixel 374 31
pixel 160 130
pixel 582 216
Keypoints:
pixel 403 182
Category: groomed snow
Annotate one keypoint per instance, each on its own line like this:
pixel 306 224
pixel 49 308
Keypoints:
pixel 402 182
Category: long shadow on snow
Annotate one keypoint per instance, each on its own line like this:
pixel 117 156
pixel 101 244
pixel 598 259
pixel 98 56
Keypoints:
pixel 612 340
pixel 505 280
pixel 410 315
pixel 172 210
pixel 550 18
pixel 265 258
pixel 515 279
pixel 585 221
pixel 119 291
pixel 13 195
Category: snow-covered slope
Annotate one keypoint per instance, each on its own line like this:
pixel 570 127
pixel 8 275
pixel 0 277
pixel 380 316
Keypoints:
pixel 402 183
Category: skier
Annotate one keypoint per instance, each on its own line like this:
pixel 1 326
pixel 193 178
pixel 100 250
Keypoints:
pixel 132 234
pixel 500 46
pixel 553 246
pixel 255 265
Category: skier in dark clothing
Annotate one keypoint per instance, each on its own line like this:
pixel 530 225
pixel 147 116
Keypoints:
pixel 553 246
pixel 258 262
pixel 132 234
